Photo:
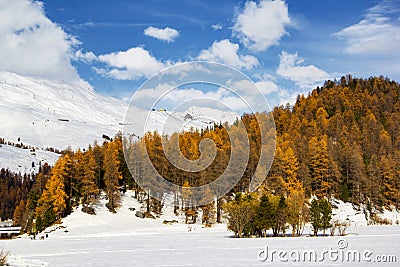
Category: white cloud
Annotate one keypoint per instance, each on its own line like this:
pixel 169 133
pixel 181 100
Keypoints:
pixel 237 94
pixel 291 67
pixel 267 87
pixel 285 96
pixel 226 52
pixel 274 94
pixel 181 95
pixel 167 34
pixel 172 97
pixel 259 26
pixel 31 44
pixel 376 34
pixel 246 87
pixel 216 27
pixel 86 57
pixel 249 92
pixel 131 64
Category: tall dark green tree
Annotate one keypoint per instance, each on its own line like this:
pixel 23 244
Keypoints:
pixel 281 217
pixel 326 214
pixel 315 216
pixel 264 216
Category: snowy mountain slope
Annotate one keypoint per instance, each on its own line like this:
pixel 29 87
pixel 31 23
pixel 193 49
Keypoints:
pixel 44 113
pixel 58 114
pixel 20 160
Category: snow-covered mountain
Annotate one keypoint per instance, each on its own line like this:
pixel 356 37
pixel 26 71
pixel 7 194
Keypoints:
pixel 59 114
pixel 55 114
pixel 43 113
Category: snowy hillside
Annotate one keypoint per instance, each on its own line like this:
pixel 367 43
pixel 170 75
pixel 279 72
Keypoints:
pixel 58 114
pixel 20 160
pixel 360 216
pixel 124 222
pixel 55 114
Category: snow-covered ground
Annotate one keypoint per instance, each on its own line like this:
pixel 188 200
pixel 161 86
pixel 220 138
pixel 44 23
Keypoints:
pixel 20 160
pixel 360 216
pixel 122 239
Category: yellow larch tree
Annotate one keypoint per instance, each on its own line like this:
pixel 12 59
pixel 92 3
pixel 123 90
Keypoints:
pixel 89 188
pixel 111 175
pixel 54 196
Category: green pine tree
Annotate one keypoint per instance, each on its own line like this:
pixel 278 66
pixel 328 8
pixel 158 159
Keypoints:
pixel 315 216
pixel 264 215
pixel 326 214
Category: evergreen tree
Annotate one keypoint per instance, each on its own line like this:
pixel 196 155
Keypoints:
pixel 315 216
pixel 38 224
pixel 344 192
pixel 326 214
pixel 281 217
pixel 48 217
pixel 264 215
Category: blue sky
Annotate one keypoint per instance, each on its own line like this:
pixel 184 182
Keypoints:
pixel 287 46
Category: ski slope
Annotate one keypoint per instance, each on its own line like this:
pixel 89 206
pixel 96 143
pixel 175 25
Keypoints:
pixel 122 239
pixel 58 114
pixel 55 114
pixel 20 160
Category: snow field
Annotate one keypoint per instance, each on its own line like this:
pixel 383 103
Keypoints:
pixel 122 239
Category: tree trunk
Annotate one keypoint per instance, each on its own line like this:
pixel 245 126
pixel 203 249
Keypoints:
pixel 240 233
pixel 275 231
pixel 218 210
pixel 148 202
